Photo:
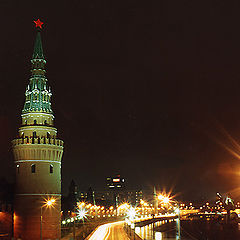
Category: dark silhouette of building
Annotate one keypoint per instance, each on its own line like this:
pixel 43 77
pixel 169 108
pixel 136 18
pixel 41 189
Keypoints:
pixel 6 210
pixel 91 196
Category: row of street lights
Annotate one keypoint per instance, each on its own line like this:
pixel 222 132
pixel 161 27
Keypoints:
pixel 162 199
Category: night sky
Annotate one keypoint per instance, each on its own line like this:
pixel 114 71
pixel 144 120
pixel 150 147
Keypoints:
pixel 147 89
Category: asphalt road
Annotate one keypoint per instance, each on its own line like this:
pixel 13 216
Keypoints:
pixel 109 231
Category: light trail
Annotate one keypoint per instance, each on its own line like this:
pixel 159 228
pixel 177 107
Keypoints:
pixel 103 232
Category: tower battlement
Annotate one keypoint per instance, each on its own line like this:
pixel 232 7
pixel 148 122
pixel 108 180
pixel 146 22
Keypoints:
pixel 37 141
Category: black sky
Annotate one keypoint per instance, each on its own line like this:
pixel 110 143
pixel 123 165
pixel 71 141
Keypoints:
pixel 142 88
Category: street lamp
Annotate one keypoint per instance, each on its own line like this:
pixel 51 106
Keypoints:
pixel 48 203
pixel 167 200
pixel 177 211
pixel 164 199
pixel 131 215
pixel 80 215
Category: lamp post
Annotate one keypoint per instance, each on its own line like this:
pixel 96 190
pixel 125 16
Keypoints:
pixel 177 210
pixel 48 203
pixel 167 200
pixel 131 215
pixel 81 214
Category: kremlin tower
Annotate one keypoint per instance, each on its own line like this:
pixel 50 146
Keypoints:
pixel 37 153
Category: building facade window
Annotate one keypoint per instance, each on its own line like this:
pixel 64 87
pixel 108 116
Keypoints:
pixel 33 168
pixel 51 168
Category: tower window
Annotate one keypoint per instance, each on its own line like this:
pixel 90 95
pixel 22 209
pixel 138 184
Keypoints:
pixel 45 122
pixel 35 122
pixel 33 168
pixel 34 134
pixel 18 168
pixel 51 168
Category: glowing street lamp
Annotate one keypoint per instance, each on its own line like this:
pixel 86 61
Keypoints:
pixel 131 213
pixel 164 199
pixel 48 203
pixel 81 214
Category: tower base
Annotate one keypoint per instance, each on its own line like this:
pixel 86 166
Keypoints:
pixel 27 217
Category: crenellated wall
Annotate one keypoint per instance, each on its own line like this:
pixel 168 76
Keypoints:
pixel 37 141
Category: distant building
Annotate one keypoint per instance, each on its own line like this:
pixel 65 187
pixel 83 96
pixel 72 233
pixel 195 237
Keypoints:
pixel 118 192
pixel 116 182
pixel 72 195
pixel 91 196
pixel 83 196
pixel 116 187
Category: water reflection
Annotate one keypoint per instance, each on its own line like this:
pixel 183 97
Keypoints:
pixel 158 236
pixel 152 231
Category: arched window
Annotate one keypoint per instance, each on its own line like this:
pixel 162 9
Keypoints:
pixel 51 168
pixel 33 168
pixel 35 122
pixel 34 134
pixel 45 122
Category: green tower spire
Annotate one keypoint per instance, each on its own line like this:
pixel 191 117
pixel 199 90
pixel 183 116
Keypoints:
pixel 38 49
pixel 38 94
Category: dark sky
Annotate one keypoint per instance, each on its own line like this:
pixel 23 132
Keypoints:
pixel 140 88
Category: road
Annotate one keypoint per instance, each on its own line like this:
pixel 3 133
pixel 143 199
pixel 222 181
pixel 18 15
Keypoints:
pixel 109 231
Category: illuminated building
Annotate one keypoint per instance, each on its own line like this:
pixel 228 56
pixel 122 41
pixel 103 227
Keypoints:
pixel 38 153
pixel 115 182
pixel 115 185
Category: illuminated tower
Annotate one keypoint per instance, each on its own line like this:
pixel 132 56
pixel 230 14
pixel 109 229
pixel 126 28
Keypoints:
pixel 37 152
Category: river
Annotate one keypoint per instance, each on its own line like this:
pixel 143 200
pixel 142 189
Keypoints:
pixel 201 229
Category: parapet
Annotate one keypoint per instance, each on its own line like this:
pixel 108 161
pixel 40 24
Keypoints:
pixel 37 140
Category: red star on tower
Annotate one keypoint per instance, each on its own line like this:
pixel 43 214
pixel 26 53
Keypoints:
pixel 38 23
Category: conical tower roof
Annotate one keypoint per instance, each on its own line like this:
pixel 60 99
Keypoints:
pixel 38 49
pixel 38 93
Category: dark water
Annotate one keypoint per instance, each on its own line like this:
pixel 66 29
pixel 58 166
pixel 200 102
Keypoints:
pixel 209 230
pixel 191 229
